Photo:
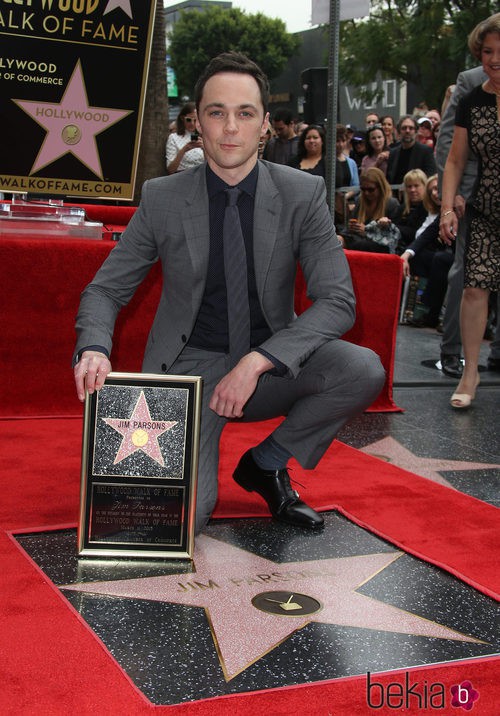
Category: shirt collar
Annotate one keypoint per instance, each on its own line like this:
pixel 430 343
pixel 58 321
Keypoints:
pixel 215 184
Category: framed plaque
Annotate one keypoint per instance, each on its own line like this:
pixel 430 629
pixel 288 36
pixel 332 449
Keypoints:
pixel 139 467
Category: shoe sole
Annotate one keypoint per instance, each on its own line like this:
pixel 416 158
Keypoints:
pixel 451 374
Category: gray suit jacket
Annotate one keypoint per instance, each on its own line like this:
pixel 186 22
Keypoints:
pixel 292 223
pixel 466 81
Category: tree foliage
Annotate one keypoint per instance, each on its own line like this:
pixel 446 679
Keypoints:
pixel 197 37
pixel 420 41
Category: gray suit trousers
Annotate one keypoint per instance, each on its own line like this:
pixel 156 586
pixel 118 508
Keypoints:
pixel 451 342
pixel 335 383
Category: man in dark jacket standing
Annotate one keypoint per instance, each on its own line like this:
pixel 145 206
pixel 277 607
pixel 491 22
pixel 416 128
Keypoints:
pixel 409 154
pixel 284 145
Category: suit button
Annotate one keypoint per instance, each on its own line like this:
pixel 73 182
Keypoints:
pixel 164 367
pixel 183 338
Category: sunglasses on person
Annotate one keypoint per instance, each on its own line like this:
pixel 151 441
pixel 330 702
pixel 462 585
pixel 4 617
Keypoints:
pixel 189 119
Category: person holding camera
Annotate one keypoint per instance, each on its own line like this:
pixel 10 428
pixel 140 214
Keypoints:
pixel 372 225
pixel 184 146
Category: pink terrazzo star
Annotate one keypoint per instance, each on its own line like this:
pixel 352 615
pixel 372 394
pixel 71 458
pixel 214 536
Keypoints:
pixel 391 450
pixel 140 432
pixel 71 125
pixel 123 4
pixel 227 578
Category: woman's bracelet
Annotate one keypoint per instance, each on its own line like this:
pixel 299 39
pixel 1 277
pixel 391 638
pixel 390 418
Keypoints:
pixel 445 213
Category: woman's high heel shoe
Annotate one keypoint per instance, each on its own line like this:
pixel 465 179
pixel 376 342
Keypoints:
pixel 463 400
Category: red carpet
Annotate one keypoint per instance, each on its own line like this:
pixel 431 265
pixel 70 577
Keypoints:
pixel 53 664
pixel 40 293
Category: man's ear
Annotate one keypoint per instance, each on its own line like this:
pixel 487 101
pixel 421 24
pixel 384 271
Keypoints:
pixel 265 124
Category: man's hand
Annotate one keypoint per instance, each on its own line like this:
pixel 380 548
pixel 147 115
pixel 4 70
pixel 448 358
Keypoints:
pixel 90 372
pixel 236 388
pixel 405 258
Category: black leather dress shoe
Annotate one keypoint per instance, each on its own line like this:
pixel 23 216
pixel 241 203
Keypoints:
pixel 274 486
pixel 452 365
pixel 494 365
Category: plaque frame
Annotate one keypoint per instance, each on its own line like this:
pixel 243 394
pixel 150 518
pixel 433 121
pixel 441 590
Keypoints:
pixel 139 467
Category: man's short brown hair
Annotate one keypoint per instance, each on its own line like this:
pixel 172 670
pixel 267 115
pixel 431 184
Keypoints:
pixel 237 63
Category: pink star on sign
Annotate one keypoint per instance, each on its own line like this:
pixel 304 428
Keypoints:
pixel 124 4
pixel 140 432
pixel 71 125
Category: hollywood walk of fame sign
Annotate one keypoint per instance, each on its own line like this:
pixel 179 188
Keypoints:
pixel 139 467
pixel 72 86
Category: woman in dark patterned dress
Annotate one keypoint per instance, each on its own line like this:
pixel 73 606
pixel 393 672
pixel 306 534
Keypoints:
pixel 477 125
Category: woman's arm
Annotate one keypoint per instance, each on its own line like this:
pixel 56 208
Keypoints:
pixel 453 170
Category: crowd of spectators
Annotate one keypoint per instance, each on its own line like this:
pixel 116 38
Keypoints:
pixel 386 190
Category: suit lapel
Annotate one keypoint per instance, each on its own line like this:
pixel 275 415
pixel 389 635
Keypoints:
pixel 195 222
pixel 267 210
pixel 196 226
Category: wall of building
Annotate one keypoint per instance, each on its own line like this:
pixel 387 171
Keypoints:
pixel 287 89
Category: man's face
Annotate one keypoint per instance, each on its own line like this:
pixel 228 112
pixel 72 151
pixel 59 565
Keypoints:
pixel 283 131
pixel 231 121
pixel 408 133
pixel 371 119
pixel 425 129
pixel 434 116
